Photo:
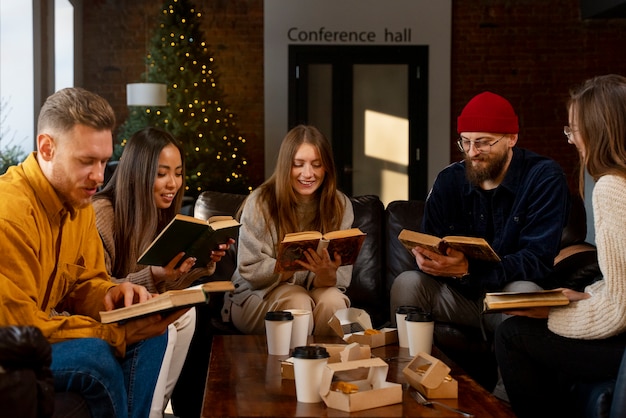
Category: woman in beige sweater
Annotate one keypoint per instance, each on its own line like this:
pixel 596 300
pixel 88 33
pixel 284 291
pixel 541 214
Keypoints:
pixel 301 195
pixel 542 351
pixel 143 195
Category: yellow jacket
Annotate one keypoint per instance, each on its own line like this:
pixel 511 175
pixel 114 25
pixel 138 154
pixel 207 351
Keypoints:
pixel 52 261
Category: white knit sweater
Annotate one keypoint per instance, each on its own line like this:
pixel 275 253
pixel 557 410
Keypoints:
pixel 604 313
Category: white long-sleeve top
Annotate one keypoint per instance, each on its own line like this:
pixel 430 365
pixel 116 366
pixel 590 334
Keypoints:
pixel 604 313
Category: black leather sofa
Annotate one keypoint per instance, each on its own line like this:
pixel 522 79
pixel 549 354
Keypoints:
pixel 26 383
pixel 383 258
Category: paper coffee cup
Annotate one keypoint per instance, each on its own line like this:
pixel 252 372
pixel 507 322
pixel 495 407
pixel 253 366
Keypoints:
pixel 419 329
pixel 308 367
pixel 278 325
pixel 401 313
pixel 300 329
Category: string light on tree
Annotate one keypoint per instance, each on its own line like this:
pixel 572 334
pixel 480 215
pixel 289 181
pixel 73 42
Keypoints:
pixel 214 149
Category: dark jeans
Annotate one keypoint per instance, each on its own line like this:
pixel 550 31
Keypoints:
pixel 111 387
pixel 539 368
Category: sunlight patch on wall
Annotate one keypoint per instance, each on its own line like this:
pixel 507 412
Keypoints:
pixel 386 137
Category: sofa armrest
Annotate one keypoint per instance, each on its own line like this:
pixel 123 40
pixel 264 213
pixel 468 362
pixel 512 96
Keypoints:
pixel 26 382
pixel 367 288
pixel 399 215
pixel 212 203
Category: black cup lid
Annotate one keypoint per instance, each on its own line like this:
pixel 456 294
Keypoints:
pixel 279 316
pixel 407 309
pixel 310 352
pixel 419 317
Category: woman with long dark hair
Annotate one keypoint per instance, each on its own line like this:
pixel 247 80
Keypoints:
pixel 141 198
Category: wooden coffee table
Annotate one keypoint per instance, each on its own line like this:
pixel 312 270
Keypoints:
pixel 244 381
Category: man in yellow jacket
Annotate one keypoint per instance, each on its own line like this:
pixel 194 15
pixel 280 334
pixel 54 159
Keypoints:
pixel 53 274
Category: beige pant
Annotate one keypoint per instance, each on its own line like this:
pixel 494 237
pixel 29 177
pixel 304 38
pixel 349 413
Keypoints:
pixel 179 334
pixel 322 302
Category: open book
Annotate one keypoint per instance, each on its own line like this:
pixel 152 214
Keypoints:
pixel 167 301
pixel 346 242
pixel 503 301
pixel 472 247
pixel 194 236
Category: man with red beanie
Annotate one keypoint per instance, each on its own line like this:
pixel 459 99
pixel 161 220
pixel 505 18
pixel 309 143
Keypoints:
pixel 514 198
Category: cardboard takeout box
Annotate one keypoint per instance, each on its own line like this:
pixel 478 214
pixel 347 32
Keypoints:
pixel 430 376
pixel 351 324
pixel 373 388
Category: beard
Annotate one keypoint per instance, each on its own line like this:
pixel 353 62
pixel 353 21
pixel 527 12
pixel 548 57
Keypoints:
pixel 490 171
pixel 67 189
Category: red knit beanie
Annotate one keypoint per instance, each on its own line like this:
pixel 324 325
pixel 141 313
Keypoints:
pixel 488 112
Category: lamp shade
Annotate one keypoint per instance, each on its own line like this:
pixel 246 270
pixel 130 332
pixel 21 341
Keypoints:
pixel 146 94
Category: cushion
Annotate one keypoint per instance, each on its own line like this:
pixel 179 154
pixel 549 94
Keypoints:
pixel 367 290
pixel 400 214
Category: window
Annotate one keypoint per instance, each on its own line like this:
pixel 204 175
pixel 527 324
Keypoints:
pixel 17 75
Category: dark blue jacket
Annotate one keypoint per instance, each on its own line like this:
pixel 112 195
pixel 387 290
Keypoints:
pixel 529 210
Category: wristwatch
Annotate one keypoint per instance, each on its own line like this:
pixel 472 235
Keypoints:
pixel 463 277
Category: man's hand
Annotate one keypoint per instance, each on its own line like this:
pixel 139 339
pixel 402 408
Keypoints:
pixel 454 264
pixel 150 326
pixel 125 294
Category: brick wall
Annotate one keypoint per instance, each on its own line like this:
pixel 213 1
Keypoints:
pixel 114 47
pixel 530 51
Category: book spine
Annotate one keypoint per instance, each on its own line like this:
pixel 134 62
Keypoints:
pixel 321 245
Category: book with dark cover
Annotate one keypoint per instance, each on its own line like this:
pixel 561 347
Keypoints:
pixel 195 237
pixel 167 301
pixel 472 247
pixel 346 242
pixel 504 301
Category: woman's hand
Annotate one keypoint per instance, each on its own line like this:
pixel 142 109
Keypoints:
pixel 544 311
pixel 216 255
pixel 170 272
pixel 323 266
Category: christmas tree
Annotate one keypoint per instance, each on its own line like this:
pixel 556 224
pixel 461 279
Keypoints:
pixel 194 114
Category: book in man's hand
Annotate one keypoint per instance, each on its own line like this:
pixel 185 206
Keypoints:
pixel 195 237
pixel 506 301
pixel 346 242
pixel 167 301
pixel 472 247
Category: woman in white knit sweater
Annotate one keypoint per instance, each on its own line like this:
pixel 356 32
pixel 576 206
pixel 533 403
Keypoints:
pixel 300 195
pixel 143 195
pixel 542 351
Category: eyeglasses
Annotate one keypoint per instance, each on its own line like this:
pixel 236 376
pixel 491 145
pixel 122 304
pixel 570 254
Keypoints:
pixel 481 146
pixel 568 132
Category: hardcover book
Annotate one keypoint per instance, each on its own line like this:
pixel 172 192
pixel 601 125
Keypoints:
pixel 167 301
pixel 504 301
pixel 346 242
pixel 472 247
pixel 195 237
